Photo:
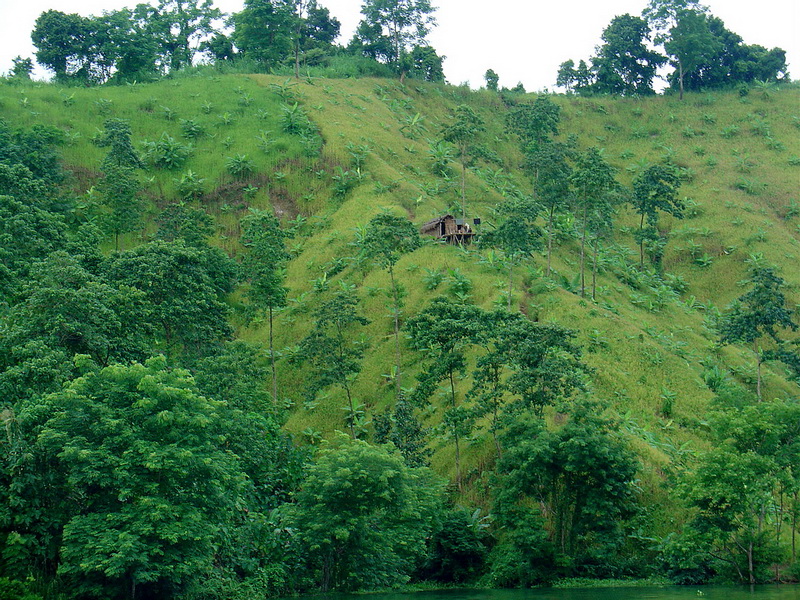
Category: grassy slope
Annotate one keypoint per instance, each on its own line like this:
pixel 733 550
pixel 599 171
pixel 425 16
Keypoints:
pixel 741 154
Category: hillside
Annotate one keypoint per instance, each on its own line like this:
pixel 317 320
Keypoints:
pixel 650 337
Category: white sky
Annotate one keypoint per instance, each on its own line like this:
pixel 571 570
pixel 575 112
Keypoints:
pixel 522 40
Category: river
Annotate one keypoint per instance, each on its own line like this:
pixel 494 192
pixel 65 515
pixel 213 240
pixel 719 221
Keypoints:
pixel 764 592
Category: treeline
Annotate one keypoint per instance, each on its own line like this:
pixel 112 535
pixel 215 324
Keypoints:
pixel 702 52
pixel 146 42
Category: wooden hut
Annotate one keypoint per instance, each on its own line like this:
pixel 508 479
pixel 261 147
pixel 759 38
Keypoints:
pixel 450 229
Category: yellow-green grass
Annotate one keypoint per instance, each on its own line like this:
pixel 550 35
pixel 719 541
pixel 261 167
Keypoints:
pixel 742 180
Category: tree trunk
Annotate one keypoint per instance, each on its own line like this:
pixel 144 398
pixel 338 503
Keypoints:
pixel 352 412
pixel 594 269
pixel 455 431
pixel 510 284
pixel 463 184
pixel 758 371
pixel 272 363
pixel 641 243
pixel 680 77
pixel 397 356
pixel 550 219
pixel 583 253
pixel 795 509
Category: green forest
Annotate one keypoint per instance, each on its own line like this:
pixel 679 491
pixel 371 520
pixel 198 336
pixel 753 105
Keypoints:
pixel 235 363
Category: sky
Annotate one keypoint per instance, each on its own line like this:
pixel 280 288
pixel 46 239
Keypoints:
pixel 522 40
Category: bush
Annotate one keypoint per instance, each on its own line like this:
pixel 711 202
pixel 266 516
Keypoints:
pixel 457 551
pixel 11 589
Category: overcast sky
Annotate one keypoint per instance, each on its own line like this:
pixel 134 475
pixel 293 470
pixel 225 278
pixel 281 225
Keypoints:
pixel 522 40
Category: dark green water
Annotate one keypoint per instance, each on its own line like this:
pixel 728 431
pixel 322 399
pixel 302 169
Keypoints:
pixel 785 592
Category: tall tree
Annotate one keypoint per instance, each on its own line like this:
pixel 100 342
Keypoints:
pixel 120 185
pixel 462 129
pixel 546 165
pixel 444 331
pixel 265 268
pixel 387 239
pixel 61 42
pixel 180 26
pixel 334 359
pixel 263 30
pixel 691 44
pixel 535 123
pixel 396 25
pixel 120 480
pixel 363 516
pixel 593 180
pixel 655 190
pixel 184 290
pixel 581 474
pixel 624 64
pixel 757 316
pixel 517 235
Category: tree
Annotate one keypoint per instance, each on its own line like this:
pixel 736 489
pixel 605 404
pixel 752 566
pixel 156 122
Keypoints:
pixel 265 266
pixel 759 314
pixel 462 130
pixel 424 63
pixel 121 481
pixel 61 42
pixel 738 488
pixel 535 123
pixel 566 75
pixel 517 236
pixel 181 222
pixel 263 30
pixel 624 65
pixel 179 26
pixel 395 26
pixel 67 307
pixel 444 331
pixel 184 289
pixel 593 180
pixel 717 57
pixel 581 475
pixel 691 44
pixel 492 79
pixel 546 165
pixel 655 189
pixel 403 429
pixel 333 358
pixel 22 67
pixel 363 516
pixel 388 237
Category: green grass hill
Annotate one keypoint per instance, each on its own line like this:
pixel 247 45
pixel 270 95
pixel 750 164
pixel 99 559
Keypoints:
pixel 328 155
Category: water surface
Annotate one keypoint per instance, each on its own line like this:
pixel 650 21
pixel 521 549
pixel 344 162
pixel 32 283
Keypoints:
pixel 763 592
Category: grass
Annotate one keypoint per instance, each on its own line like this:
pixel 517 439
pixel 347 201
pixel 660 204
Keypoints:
pixel 380 132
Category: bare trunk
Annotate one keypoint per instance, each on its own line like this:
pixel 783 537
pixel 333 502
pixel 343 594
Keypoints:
pixel 510 284
pixel 455 431
pixel 641 243
pixel 550 219
pixel 594 270
pixel 352 412
pixel 758 371
pixel 680 77
pixel 272 363
pixel 494 433
pixel 583 253
pixel 463 185
pixel 795 508
pixel 397 356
